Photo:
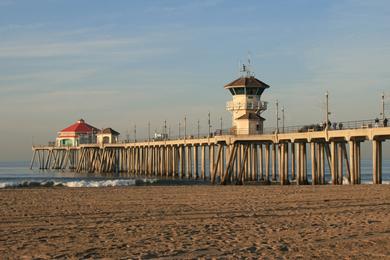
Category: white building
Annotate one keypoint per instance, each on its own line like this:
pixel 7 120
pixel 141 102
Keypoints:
pixel 246 106
pixel 107 136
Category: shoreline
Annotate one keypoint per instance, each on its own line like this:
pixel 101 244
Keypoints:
pixel 17 183
pixel 191 221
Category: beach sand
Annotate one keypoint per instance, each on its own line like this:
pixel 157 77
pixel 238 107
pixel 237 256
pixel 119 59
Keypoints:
pixel 176 222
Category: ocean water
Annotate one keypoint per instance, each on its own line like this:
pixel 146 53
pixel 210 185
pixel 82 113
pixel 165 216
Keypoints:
pixel 366 172
pixel 18 174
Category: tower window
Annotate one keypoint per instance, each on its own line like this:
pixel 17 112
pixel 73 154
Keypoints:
pixel 251 91
pixel 239 91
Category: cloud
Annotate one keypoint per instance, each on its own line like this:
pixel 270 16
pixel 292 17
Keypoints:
pixel 21 27
pixel 55 49
pixel 185 6
pixel 48 75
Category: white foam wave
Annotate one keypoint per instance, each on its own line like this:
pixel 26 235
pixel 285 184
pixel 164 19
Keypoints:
pixel 367 182
pixel 5 185
pixel 346 181
pixel 106 183
pixel 76 183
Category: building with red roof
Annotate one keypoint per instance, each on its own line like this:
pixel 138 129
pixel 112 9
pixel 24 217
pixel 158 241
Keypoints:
pixel 76 134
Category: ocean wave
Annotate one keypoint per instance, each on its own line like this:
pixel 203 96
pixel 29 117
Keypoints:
pixel 115 183
pixel 346 182
pixel 76 183
pixel 370 182
pixel 106 183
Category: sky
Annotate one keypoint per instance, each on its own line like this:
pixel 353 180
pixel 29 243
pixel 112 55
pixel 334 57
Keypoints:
pixel 123 63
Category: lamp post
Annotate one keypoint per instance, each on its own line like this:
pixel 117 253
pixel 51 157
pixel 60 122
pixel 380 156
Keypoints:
pixel 179 129
pixel 209 123
pixel 185 127
pixel 277 116
pixel 135 133
pixel 282 119
pixel 327 111
pixel 165 129
pixel 149 131
pixel 383 106
pixel 221 124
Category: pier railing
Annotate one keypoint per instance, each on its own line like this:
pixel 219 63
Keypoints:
pixel 357 124
pixel 344 125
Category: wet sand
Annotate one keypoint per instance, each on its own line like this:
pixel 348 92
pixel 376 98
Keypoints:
pixel 176 222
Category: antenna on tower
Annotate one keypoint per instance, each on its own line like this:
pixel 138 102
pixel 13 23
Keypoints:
pixel 245 70
pixel 248 72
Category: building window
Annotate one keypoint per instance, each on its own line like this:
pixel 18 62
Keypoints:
pixel 239 91
pixel 251 91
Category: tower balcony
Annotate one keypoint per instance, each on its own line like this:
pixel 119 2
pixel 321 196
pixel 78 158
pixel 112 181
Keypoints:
pixel 258 106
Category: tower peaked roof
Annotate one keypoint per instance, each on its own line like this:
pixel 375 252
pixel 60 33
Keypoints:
pixel 80 127
pixel 248 81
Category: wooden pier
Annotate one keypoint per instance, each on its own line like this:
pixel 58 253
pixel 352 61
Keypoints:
pixel 229 159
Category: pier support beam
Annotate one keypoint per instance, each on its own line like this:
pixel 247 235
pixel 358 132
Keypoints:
pixel 333 164
pixel 203 162
pixel 352 161
pixel 188 161
pixel 340 164
pixel 299 170
pixel 211 160
pixel 376 162
pixel 314 177
pixel 267 162
pixel 304 164
pixel 195 162
pixel 274 161
pixel 254 162
pixel 182 161
pixel 293 161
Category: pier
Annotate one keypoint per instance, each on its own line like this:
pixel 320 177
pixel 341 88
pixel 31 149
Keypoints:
pixel 245 153
pixel 230 159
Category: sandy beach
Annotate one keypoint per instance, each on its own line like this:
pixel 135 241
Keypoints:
pixel 182 222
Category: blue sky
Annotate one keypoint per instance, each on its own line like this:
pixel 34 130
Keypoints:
pixel 120 63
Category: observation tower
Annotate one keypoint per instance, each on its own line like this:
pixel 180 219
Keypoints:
pixel 246 106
